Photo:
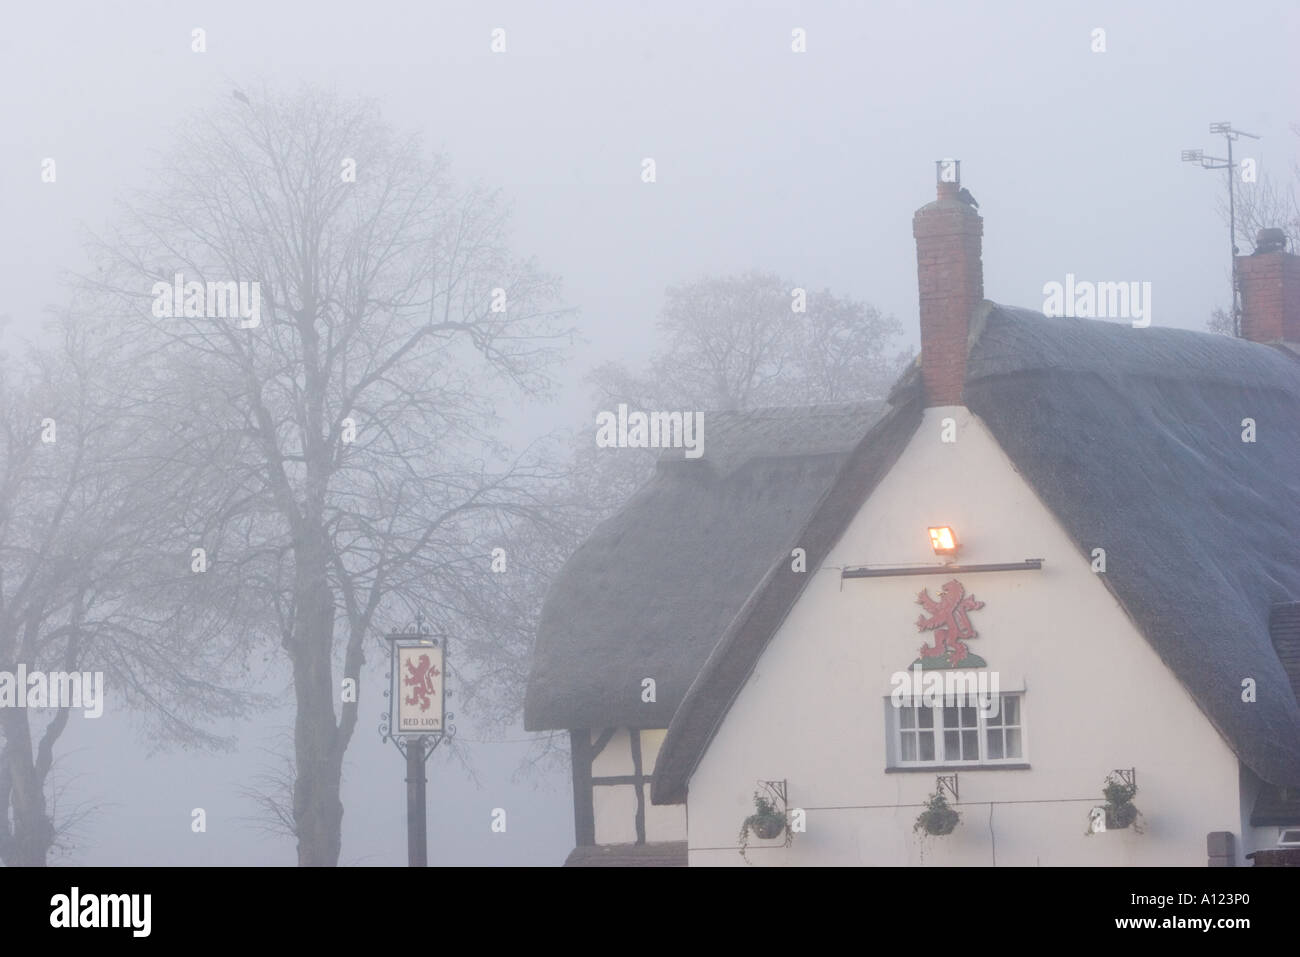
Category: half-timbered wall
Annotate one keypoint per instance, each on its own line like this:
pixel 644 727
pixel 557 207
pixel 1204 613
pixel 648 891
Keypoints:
pixel 611 787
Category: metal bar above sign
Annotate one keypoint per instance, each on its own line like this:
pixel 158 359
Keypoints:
pixel 1029 564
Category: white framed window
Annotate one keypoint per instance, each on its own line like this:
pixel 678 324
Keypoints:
pixel 1004 734
pixel 956 732
pixel 1288 837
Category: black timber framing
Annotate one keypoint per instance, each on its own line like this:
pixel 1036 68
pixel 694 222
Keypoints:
pixel 635 734
pixel 584 814
pixel 603 740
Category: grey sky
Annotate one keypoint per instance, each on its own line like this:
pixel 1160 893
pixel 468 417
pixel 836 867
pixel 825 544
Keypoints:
pixel 807 164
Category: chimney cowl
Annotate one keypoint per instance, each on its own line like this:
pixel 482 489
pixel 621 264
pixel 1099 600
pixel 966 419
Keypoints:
pixel 1270 240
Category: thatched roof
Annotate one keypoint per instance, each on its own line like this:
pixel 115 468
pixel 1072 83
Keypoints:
pixel 1276 805
pixel 1133 438
pixel 648 594
pixel 1284 628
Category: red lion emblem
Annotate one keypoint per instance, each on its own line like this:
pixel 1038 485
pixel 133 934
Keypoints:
pixel 950 623
pixel 420 679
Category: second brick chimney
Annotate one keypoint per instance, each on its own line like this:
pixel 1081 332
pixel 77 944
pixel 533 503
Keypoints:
pixel 1269 280
pixel 948 234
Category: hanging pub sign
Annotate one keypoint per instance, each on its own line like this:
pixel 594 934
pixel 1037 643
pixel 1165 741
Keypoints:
pixel 418 698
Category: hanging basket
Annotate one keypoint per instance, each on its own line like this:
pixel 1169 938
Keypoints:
pixel 765 824
pixel 767 827
pixel 1121 813
pixel 1120 816
pixel 938 818
pixel 941 822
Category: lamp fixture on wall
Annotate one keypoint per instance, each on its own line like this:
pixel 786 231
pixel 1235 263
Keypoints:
pixel 943 539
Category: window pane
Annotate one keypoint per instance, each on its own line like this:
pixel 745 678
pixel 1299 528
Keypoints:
pixel 1013 743
pixel 950 717
pixel 951 746
pixel 1010 709
pixel 927 745
pixel 906 717
pixel 926 717
pixel 970 745
pixel 909 747
pixel 968 717
pixel 995 745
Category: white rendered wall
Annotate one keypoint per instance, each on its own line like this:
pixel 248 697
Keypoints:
pixel 662 822
pixel 1096 695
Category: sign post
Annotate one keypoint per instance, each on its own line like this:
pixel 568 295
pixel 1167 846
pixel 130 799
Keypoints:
pixel 417 722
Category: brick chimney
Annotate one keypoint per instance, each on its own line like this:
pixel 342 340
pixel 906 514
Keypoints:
pixel 1269 280
pixel 951 278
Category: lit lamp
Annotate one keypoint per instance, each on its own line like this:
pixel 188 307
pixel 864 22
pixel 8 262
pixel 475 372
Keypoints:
pixel 943 540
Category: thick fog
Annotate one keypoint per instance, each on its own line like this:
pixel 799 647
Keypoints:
pixel 805 164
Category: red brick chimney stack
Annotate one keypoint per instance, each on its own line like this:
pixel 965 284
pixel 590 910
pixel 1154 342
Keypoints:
pixel 948 234
pixel 1269 280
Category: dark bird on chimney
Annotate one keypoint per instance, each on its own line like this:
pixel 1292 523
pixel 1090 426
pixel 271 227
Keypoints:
pixel 964 195
pixel 240 97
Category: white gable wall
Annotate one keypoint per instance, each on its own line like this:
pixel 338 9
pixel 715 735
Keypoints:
pixel 1097 697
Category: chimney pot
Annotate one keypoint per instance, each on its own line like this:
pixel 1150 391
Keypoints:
pixel 1270 240
pixel 1269 282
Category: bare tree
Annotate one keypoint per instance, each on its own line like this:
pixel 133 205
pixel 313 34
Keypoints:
pixel 29 537
pixel 1220 323
pixel 739 342
pixel 754 340
pixel 82 586
pixel 1271 202
pixel 343 469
